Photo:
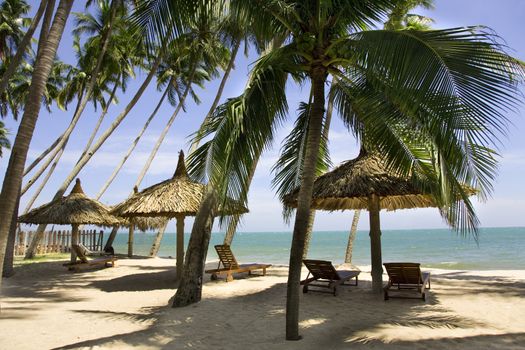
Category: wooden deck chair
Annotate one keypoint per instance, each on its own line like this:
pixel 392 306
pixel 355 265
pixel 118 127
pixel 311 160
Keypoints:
pixel 323 274
pixel 88 263
pixel 89 252
pixel 406 276
pixel 230 265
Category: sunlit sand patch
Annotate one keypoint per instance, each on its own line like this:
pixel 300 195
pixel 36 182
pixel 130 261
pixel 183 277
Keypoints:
pixel 392 334
pixel 312 322
pixel 276 312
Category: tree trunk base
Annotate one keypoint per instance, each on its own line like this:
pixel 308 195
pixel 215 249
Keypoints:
pixel 187 294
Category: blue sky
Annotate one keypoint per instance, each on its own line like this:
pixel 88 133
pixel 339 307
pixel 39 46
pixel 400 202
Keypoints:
pixel 505 208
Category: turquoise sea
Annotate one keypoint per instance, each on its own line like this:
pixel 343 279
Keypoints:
pixel 495 248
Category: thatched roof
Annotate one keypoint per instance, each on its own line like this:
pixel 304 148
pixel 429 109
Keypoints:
pixel 144 223
pixel 349 185
pixel 176 196
pixel 76 208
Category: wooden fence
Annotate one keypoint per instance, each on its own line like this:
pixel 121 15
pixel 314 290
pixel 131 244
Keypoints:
pixel 58 241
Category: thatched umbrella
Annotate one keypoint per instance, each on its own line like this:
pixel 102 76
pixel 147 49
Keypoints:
pixel 75 209
pixel 365 183
pixel 177 197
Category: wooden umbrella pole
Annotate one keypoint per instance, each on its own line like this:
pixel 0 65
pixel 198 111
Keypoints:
pixel 375 243
pixel 74 241
pixel 180 245
pixel 130 237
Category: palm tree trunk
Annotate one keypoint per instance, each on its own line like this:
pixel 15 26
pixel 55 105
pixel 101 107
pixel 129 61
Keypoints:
pixel 101 118
pixel 85 99
pixel 111 238
pixel 166 128
pixel 309 231
pixel 190 285
pixel 44 29
pixel 152 155
pixel 46 178
pixel 17 58
pixel 58 148
pixel 225 77
pixel 326 130
pixel 180 246
pixel 42 155
pixel 131 236
pixel 13 176
pixel 8 269
pixel 74 241
pixel 375 244
pixel 80 164
pixel 157 145
pixel 156 242
pixel 132 147
pixel 315 125
pixel 232 226
pixel 351 237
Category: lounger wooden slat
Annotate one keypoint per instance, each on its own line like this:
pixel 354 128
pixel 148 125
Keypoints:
pixel 324 275
pixel 86 263
pixel 406 276
pixel 230 265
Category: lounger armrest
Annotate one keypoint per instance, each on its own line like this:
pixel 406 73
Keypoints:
pixel 308 280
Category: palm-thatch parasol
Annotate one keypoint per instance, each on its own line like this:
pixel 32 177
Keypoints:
pixel 365 183
pixel 75 209
pixel 177 197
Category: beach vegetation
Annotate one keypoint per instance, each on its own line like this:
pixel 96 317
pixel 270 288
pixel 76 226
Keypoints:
pixel 431 102
pixel 4 141
pixel 450 85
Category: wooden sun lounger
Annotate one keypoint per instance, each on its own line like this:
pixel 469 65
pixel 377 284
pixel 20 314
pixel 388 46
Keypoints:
pixel 88 252
pixel 323 274
pixel 230 265
pixel 406 276
pixel 85 263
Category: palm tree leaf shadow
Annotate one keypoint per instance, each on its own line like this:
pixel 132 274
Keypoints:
pixel 139 282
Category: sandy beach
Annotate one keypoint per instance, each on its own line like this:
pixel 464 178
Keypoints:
pixel 46 307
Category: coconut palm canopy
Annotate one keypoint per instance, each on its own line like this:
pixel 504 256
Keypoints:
pixel 74 209
pixel 349 185
pixel 170 198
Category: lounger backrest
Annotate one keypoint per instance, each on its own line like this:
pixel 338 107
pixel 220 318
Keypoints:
pixel 226 256
pixel 80 253
pixel 85 249
pixel 404 273
pixel 321 269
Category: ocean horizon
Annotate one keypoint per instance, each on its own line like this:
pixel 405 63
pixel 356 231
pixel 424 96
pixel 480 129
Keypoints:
pixel 495 248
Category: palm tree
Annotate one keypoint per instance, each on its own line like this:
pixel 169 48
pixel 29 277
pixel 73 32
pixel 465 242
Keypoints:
pixel 11 24
pixel 116 58
pixel 22 46
pixel 77 79
pixel 450 85
pixel 398 19
pixel 13 176
pixel 4 141
pixel 351 237
pixel 176 25
pixel 87 156
pixel 13 99
pixel 81 84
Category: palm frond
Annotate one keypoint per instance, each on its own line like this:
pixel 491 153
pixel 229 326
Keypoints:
pixel 161 21
pixel 229 158
pixel 450 87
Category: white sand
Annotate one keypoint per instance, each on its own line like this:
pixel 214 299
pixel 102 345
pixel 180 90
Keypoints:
pixel 46 307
